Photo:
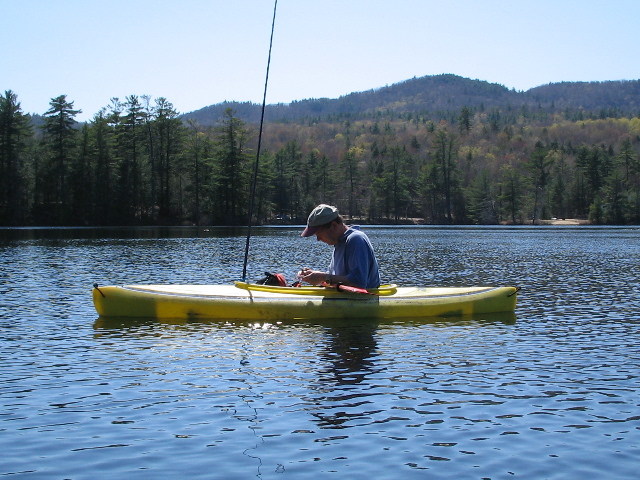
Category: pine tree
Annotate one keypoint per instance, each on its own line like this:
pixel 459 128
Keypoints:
pixel 15 131
pixel 60 140
pixel 511 192
pixel 101 151
pixel 464 121
pixel 445 154
pixel 232 167
pixel 168 132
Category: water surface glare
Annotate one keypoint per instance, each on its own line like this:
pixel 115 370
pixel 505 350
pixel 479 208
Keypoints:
pixel 550 392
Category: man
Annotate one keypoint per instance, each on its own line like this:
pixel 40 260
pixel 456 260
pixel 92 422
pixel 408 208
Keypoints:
pixel 353 261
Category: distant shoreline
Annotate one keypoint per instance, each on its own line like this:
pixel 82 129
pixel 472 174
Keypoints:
pixel 564 221
pixel 420 221
pixel 299 223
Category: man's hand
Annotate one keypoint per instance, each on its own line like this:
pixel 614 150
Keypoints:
pixel 314 277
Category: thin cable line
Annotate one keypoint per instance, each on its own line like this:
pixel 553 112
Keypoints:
pixel 255 171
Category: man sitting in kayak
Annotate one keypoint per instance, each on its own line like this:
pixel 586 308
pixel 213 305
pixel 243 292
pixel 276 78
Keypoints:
pixel 353 261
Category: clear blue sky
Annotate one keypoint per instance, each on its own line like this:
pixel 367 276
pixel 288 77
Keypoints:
pixel 201 52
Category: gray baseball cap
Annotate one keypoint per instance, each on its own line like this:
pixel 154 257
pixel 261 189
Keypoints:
pixel 321 215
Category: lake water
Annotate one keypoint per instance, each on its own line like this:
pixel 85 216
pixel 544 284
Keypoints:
pixel 552 392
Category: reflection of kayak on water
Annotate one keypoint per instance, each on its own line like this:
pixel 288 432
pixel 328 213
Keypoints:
pixel 264 302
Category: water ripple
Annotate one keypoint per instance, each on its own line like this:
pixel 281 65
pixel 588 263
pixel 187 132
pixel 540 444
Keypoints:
pixel 549 393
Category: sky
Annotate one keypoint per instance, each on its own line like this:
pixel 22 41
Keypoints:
pixel 197 53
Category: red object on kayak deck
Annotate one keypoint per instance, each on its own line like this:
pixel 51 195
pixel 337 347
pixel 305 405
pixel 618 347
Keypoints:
pixel 274 279
pixel 346 288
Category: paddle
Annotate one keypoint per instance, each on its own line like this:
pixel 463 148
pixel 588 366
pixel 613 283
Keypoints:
pixel 348 288
pixel 340 287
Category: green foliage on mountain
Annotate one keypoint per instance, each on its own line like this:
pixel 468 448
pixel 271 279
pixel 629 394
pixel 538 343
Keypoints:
pixel 440 150
pixel 441 96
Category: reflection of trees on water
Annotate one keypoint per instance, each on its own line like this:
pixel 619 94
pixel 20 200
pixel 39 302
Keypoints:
pixel 349 356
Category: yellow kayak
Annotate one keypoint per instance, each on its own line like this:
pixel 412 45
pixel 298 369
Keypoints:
pixel 263 302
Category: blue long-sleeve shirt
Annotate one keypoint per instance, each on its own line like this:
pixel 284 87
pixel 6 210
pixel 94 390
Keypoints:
pixel 353 256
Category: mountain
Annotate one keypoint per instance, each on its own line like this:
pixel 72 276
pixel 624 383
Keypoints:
pixel 440 96
pixel 623 95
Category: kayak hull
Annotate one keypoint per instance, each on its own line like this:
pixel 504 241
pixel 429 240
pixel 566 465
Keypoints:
pixel 259 302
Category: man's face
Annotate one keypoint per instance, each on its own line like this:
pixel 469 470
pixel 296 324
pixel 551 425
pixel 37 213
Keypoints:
pixel 328 234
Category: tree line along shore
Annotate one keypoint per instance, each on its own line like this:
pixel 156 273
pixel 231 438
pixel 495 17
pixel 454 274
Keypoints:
pixel 139 162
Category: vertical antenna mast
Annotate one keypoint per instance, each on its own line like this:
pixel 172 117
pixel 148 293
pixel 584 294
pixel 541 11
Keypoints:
pixel 255 171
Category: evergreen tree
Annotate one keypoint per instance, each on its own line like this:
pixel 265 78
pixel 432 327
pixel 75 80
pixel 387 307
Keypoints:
pixel 512 192
pixel 148 116
pixel 431 191
pixel 196 148
pixel 393 183
pixel 634 187
pixel 627 158
pixel 287 163
pixel 540 163
pixel 15 131
pixel 590 162
pixel 349 165
pixel 265 189
pixel 482 200
pixel 323 180
pixel 445 155
pixel 101 151
pixel 233 171
pixel 614 192
pixel 130 136
pixel 168 134
pixel 464 120
pixel 61 142
pixel 559 190
pixel 81 181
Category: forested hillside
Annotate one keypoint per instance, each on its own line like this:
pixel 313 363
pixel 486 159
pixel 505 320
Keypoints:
pixel 443 96
pixel 441 150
